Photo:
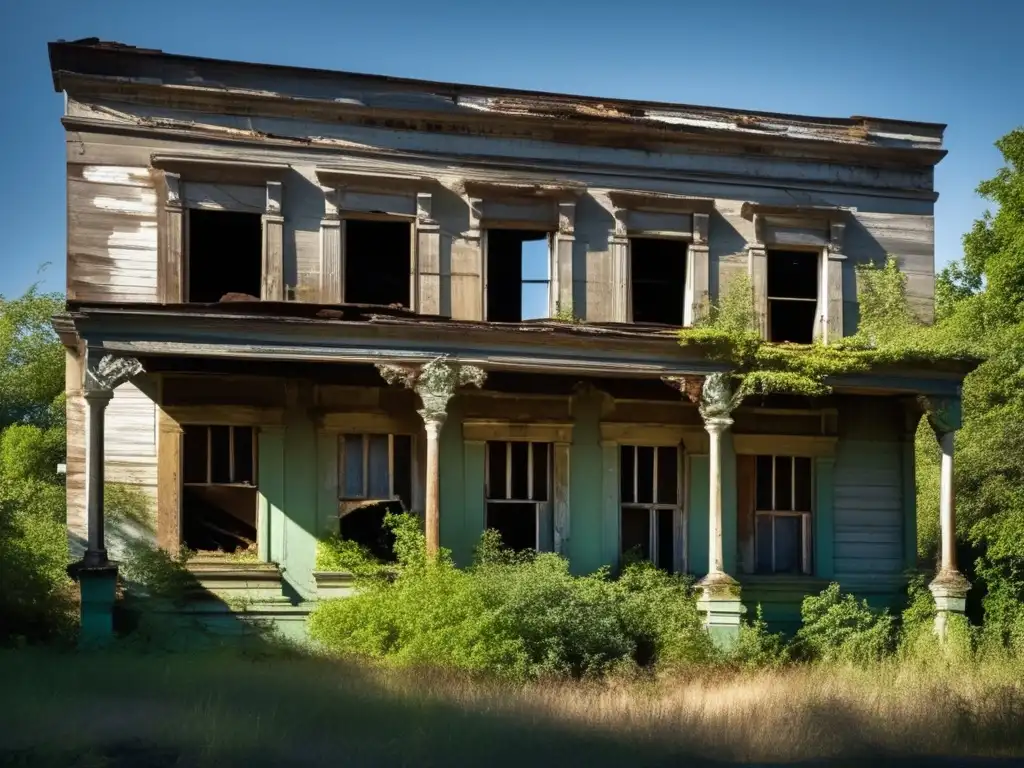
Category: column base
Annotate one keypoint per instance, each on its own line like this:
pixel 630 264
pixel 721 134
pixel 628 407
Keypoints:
pixel 98 587
pixel 949 588
pixel 719 601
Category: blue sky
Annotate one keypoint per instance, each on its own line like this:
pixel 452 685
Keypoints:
pixel 941 61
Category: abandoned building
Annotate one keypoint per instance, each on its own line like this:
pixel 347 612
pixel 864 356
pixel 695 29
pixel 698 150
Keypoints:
pixel 299 298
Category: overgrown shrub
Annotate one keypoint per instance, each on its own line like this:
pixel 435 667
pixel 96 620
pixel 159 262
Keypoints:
pixel 839 628
pixel 513 615
pixel 334 553
pixel 757 648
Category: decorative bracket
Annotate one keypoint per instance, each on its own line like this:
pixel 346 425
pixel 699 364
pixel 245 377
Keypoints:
pixel 109 372
pixel 944 414
pixel 716 394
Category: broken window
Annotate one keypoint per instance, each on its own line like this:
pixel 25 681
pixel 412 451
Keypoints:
pixel 517 489
pixel 378 262
pixel 375 474
pixel 218 508
pixel 657 280
pixel 792 295
pixel 518 275
pixel 783 514
pixel 225 254
pixel 650 498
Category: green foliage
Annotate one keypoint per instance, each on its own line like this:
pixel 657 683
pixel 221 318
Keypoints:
pixel 888 334
pixel 128 503
pixel 757 648
pixel 334 553
pixel 31 359
pixel 157 573
pixel 839 628
pixel 563 313
pixel 513 615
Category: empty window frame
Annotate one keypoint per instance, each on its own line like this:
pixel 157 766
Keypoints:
pixel 225 254
pixel 651 513
pixel 378 262
pixel 792 295
pixel 518 275
pixel 375 477
pixel 783 500
pixel 657 280
pixel 517 488
pixel 219 497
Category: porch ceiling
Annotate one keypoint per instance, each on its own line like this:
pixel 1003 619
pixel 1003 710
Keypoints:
pixel 349 334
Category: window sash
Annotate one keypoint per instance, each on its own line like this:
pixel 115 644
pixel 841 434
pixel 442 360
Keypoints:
pixel 805 537
pixel 361 443
pixel 531 490
pixel 233 454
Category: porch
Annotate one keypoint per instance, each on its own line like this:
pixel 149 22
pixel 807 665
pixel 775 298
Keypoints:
pixel 592 443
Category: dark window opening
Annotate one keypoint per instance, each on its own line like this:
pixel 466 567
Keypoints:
pixel 364 524
pixel 517 494
pixel 792 296
pixel 518 275
pixel 657 280
pixel 225 254
pixel 378 262
pixel 375 478
pixel 649 493
pixel 219 498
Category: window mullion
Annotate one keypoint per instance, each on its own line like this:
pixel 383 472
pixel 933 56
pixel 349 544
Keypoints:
pixel 366 466
pixel 529 471
pixel 391 466
pixel 508 470
pixel 654 475
pixel 231 454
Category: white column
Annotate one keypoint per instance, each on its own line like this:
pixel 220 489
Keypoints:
pixel 947 503
pixel 716 559
pixel 101 378
pixel 433 496
pixel 435 383
pixel 96 400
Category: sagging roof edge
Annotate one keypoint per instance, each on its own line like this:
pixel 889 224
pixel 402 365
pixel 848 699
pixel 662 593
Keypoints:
pixel 59 50
pixel 66 326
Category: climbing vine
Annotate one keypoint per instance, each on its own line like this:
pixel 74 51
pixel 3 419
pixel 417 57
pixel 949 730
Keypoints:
pixel 889 334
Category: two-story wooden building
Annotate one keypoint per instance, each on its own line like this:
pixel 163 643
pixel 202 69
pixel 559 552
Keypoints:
pixel 298 297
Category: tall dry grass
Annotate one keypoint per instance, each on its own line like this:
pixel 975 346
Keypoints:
pixel 122 709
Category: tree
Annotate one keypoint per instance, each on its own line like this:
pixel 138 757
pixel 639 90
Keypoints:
pixel 34 588
pixel 981 298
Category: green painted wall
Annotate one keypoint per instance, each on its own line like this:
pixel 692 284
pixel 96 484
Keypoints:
pixel 271 494
pixel 588 534
pixel 300 493
pixel 456 534
pixel 697 516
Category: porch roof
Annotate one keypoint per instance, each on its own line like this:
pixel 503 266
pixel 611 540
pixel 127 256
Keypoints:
pixel 290 331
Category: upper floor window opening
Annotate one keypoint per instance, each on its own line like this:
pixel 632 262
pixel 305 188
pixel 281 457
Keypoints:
pixel 225 254
pixel 518 275
pixel 792 295
pixel 378 262
pixel 657 280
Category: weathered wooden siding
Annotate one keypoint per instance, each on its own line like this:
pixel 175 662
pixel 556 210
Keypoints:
pixel 112 233
pixel 131 438
pixel 113 201
pixel 868 495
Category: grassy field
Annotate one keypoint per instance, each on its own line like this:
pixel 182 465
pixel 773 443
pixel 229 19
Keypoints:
pixel 224 710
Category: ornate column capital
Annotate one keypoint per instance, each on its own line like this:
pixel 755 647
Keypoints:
pixel 944 413
pixel 716 396
pixel 435 383
pixel 108 372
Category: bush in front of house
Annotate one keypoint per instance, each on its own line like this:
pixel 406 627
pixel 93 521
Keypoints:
pixel 514 615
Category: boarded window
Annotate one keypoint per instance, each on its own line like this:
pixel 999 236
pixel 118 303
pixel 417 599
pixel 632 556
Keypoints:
pixel 792 295
pixel 517 486
pixel 378 262
pixel 783 498
pixel 518 275
pixel 657 280
pixel 225 254
pixel 651 512
pixel 219 488
pixel 375 477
